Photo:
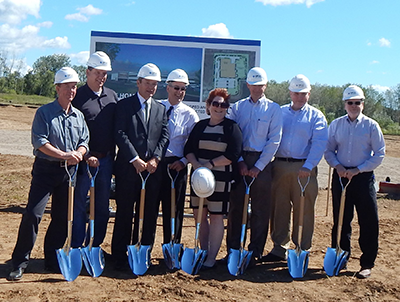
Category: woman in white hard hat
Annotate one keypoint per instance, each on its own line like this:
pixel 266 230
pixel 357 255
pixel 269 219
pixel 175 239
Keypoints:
pixel 214 143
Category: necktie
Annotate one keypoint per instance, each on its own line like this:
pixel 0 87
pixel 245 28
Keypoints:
pixel 169 111
pixel 146 111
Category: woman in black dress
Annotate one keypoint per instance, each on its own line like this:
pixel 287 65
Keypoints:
pixel 215 143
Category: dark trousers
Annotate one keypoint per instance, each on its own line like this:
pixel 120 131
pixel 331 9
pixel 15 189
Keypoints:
pixel 260 194
pixel 48 179
pixel 128 187
pixel 165 197
pixel 360 195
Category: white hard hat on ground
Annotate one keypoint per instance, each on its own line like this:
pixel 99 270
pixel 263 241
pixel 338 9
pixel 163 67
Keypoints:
pixel 300 83
pixel 178 75
pixel 66 75
pixel 99 60
pixel 203 182
pixel 150 71
pixel 353 92
pixel 257 76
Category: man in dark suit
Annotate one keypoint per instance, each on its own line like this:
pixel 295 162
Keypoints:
pixel 142 138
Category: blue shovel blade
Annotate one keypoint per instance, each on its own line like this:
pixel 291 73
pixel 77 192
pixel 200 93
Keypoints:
pixel 71 264
pixel 139 258
pixel 94 260
pixel 334 261
pixel 192 260
pixel 234 262
pixel 297 263
pixel 172 255
pixel 238 261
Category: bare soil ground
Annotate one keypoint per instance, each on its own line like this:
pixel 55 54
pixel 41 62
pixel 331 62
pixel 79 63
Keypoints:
pixel 265 282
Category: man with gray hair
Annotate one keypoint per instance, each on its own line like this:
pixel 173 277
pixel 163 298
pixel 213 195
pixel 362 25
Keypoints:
pixel 304 137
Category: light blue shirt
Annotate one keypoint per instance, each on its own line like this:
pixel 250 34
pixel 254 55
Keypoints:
pixel 180 124
pixel 304 135
pixel 355 144
pixel 64 131
pixel 261 125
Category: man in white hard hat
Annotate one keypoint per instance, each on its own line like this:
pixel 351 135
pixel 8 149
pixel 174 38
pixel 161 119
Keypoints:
pixel 355 148
pixel 59 137
pixel 181 120
pixel 304 137
pixel 97 103
pixel 260 120
pixel 142 139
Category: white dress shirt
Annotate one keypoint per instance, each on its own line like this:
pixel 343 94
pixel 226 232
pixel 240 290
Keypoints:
pixel 180 124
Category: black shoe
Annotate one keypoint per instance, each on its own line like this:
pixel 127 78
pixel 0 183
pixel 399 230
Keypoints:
pixel 223 261
pixel 271 258
pixel 16 274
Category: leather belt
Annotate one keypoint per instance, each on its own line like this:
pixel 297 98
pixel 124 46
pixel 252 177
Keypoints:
pixel 52 162
pixel 289 159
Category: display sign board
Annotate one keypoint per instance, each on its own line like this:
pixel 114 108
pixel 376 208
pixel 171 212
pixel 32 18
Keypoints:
pixel 209 63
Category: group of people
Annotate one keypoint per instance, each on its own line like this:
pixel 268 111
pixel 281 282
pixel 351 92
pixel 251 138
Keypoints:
pixel 254 138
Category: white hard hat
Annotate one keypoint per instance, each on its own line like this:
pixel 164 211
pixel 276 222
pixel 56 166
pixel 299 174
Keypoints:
pixel 178 75
pixel 99 60
pixel 150 72
pixel 203 182
pixel 353 92
pixel 66 75
pixel 300 83
pixel 257 76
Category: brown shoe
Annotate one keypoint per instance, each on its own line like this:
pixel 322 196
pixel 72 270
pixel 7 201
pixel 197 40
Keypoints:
pixel 364 273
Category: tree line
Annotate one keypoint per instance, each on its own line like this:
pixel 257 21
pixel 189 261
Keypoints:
pixel 383 107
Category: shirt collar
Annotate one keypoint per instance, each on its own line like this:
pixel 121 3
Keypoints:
pixel 142 99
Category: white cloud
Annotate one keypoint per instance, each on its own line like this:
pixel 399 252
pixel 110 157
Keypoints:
pixel 46 24
pixel 381 89
pixel 14 11
pixel 384 42
pixel 374 62
pixel 309 3
pixel 80 58
pixel 58 42
pixel 90 10
pixel 78 17
pixel 84 13
pixel 217 31
pixel 16 40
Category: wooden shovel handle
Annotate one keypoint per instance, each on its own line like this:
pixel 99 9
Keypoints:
pixel 91 213
pixel 173 196
pixel 245 206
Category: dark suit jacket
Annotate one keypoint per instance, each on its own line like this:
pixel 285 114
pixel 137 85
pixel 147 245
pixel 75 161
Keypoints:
pixel 132 136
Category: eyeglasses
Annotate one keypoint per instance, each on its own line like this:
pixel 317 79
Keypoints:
pixel 218 104
pixel 358 103
pixel 179 88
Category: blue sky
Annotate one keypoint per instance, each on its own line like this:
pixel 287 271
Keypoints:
pixel 332 42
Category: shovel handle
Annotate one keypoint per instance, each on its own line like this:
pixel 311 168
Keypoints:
pixel 245 206
pixel 91 213
pixel 173 196
pixel 329 190
pixel 341 211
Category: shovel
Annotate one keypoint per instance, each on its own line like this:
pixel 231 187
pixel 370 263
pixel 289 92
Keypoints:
pixel 192 259
pixel 93 257
pixel 172 251
pixel 298 259
pixel 238 260
pixel 138 254
pixel 336 258
pixel 69 259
